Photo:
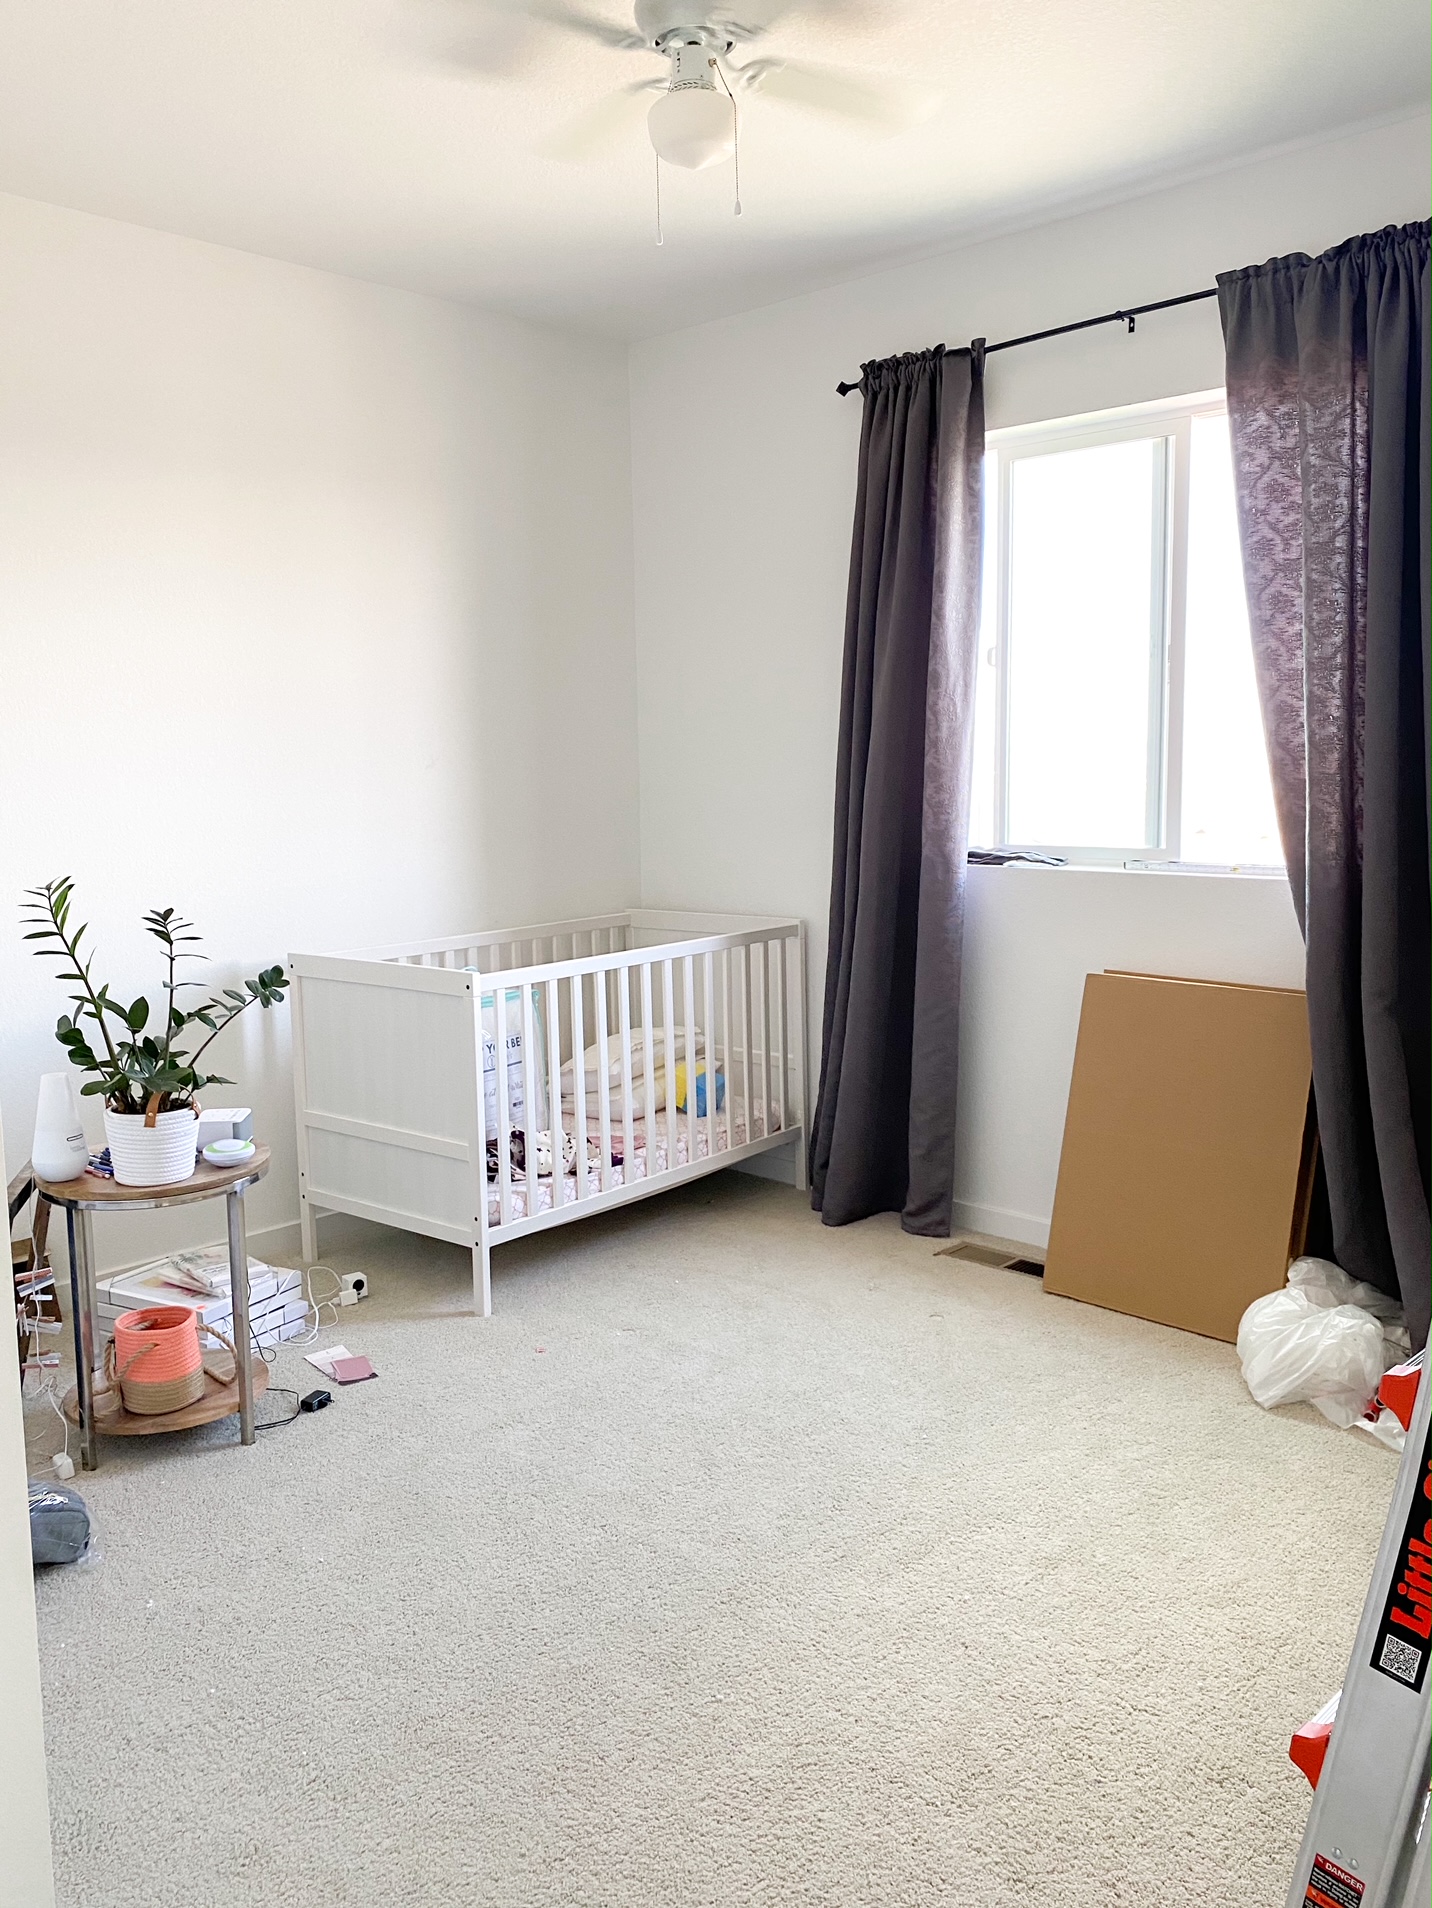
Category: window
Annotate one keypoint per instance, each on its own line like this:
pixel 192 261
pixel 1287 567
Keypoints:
pixel 1117 715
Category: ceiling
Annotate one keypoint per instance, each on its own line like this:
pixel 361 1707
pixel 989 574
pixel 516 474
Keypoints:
pixel 400 140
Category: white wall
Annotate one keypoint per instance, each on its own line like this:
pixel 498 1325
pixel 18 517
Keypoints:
pixel 744 473
pixel 1032 935
pixel 26 1880
pixel 315 610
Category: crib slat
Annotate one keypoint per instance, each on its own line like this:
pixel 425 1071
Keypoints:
pixel 648 1084
pixel 708 989
pixel 549 1013
pixel 726 1045
pixel 604 1097
pixel 668 1050
pixel 530 1109
pixel 579 1087
pixel 688 1008
pixel 747 1075
pixel 765 969
pixel 504 1113
pixel 628 1140
pixel 480 1163
pixel 778 955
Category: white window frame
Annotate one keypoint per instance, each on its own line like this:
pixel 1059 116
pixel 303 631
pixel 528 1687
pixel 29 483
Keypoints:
pixel 1172 420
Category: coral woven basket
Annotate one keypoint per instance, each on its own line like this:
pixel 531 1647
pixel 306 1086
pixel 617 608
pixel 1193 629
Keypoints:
pixel 157 1362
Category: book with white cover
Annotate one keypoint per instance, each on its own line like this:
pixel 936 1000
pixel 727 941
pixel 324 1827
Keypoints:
pixel 206 1270
pixel 110 1305
pixel 154 1285
pixel 277 1307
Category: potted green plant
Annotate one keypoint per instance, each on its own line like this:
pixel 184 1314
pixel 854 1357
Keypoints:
pixel 149 1083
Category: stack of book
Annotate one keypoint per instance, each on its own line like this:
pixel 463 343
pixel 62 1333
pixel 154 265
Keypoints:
pixel 200 1280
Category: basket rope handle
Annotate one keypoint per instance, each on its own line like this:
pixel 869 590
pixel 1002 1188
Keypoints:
pixel 113 1379
pixel 227 1343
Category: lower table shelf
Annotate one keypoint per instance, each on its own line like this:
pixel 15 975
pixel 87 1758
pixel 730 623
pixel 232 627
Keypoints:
pixel 220 1400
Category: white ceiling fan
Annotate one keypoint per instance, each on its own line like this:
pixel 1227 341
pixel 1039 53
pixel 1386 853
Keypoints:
pixel 693 121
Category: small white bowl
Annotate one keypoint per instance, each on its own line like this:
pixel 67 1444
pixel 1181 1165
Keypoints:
pixel 228 1152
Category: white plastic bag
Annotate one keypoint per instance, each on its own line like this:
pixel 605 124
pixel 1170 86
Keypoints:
pixel 1327 1284
pixel 1324 1340
pixel 510 1034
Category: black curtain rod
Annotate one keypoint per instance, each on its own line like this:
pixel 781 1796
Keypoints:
pixel 1058 331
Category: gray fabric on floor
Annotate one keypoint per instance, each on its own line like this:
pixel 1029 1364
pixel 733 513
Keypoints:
pixel 735 1560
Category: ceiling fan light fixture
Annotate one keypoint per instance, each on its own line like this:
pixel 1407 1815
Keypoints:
pixel 693 126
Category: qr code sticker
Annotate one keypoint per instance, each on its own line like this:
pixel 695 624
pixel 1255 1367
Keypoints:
pixel 1400 1659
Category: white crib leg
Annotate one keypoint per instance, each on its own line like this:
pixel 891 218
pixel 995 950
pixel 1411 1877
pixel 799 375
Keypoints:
pixel 802 1166
pixel 307 1230
pixel 482 1279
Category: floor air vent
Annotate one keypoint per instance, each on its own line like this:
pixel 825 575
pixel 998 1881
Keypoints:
pixel 1000 1258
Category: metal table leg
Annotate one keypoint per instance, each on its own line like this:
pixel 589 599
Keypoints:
pixel 239 1287
pixel 81 1243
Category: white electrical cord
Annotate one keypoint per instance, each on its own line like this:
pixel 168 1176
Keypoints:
pixel 316 1309
pixel 29 1319
pixel 30 1316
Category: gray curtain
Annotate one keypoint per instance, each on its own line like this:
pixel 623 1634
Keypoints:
pixel 883 1137
pixel 1328 396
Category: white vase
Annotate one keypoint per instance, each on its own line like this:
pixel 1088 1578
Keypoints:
pixel 158 1155
pixel 59 1150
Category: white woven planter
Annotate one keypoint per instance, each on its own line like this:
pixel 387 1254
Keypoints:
pixel 158 1155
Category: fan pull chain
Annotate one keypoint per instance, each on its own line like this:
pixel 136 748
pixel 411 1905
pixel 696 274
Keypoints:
pixel 659 239
pixel 735 136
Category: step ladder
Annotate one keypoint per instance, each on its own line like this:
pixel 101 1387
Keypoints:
pixel 1367 1839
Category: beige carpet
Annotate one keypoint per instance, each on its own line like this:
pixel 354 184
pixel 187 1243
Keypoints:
pixel 734 1561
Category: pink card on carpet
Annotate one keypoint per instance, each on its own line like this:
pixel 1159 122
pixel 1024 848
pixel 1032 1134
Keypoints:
pixel 347 1371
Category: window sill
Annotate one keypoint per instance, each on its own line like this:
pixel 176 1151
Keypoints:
pixel 1163 871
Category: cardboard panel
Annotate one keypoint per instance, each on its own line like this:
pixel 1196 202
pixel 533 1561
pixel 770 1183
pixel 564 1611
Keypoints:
pixel 1182 1177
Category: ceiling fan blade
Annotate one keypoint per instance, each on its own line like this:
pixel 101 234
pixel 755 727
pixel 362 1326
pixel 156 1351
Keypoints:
pixel 880 104
pixel 747 20
pixel 576 20
pixel 603 126
pixel 505 36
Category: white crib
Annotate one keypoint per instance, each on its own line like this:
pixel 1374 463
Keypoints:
pixel 394 1124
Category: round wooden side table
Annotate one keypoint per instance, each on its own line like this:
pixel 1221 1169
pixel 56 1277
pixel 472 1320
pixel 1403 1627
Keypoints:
pixel 80 1199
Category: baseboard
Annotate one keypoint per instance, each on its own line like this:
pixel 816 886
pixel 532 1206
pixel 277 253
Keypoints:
pixel 334 1229
pixel 339 1229
pixel 280 1241
pixel 270 1242
pixel 1000 1222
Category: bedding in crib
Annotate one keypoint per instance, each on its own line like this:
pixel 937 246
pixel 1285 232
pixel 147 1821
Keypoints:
pixel 638 1038
pixel 726 1136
